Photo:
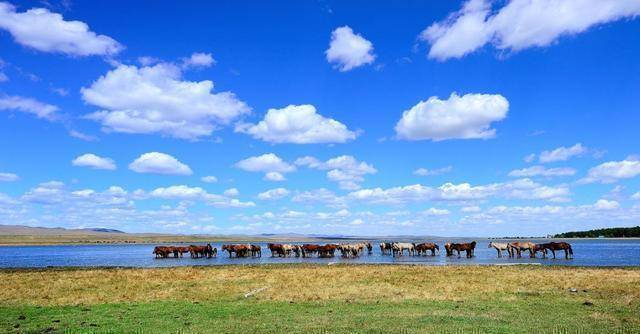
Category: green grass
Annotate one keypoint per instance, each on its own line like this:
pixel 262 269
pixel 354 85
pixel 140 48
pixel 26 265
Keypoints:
pixel 528 314
pixel 321 299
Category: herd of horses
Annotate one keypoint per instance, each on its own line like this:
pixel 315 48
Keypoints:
pixel 350 250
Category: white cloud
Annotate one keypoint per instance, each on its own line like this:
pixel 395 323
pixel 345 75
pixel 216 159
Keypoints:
pixel 28 105
pixel 470 209
pixel 542 171
pixel 93 161
pixel 232 192
pixel 298 124
pixel 8 177
pixel 562 153
pixel 274 176
pixel 436 212
pixel 156 100
pixel 183 192
pixel 603 204
pixel 612 171
pixel 520 24
pixel 82 136
pixel 530 158
pixel 517 189
pixel 636 196
pixel 344 169
pixel 459 117
pixel 270 164
pixel 321 195
pixel 199 59
pixel 40 29
pixel 431 172
pixel 159 163
pixel 348 50
pixel 209 179
pixel 274 194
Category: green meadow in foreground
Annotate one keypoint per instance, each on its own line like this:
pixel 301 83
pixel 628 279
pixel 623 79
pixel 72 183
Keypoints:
pixel 322 299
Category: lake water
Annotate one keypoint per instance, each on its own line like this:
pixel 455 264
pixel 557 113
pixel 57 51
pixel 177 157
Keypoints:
pixel 592 252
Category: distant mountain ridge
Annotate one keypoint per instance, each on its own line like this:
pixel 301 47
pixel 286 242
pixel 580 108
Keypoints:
pixel 30 230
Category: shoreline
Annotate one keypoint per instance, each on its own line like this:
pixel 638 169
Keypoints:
pixel 22 243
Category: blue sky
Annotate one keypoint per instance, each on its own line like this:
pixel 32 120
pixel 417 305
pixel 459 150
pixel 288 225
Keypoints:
pixel 438 118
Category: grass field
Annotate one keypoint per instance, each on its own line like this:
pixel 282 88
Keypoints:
pixel 322 299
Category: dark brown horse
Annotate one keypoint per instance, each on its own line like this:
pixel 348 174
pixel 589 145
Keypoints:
pixel 256 251
pixel 539 248
pixel 422 248
pixel 555 246
pixel 328 250
pixel 162 251
pixel 309 249
pixel 276 250
pixel 469 248
pixel 240 250
pixel 198 251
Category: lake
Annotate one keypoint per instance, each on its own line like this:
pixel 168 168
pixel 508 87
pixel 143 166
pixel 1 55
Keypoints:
pixel 587 252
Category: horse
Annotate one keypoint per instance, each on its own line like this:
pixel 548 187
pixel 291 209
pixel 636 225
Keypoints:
pixel 198 251
pixel 181 250
pixel 539 248
pixel 469 248
pixel 554 246
pixel 385 248
pixel 399 248
pixel 297 250
pixel 239 250
pixel 501 246
pixel 369 247
pixel 162 251
pixel 309 249
pixel 422 248
pixel 256 250
pixel 518 247
pixel 349 250
pixel 276 249
pixel 327 250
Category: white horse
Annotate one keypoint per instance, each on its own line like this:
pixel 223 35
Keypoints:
pixel 399 248
pixel 501 246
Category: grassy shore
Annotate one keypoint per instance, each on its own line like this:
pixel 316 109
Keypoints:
pixel 322 299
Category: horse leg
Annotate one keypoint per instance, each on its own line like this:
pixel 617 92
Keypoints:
pixel 553 251
pixel 566 254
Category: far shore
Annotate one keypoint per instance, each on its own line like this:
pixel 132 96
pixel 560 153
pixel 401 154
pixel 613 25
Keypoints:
pixel 138 239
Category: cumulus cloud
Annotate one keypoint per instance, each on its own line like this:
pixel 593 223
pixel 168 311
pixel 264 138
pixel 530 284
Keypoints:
pixel 562 153
pixel 344 169
pixel 159 163
pixel 431 172
pixel 520 24
pixel 542 171
pixel 157 100
pixel 274 194
pixel 603 204
pixel 183 192
pixel 436 212
pixel 459 117
pixel 612 171
pixel 270 164
pixel 199 59
pixel 93 161
pixel 8 177
pixel 42 30
pixel 517 189
pixel 348 50
pixel 232 192
pixel 636 196
pixel 298 124
pixel 28 105
pixel 82 136
pixel 209 179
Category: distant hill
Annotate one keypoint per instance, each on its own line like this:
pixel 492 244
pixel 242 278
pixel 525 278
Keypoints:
pixel 615 232
pixel 29 230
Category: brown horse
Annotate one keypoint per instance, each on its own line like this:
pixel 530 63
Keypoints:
pixel 517 248
pixel 469 248
pixel 239 250
pixel 256 251
pixel 309 249
pixel 554 246
pixel 198 251
pixel 539 248
pixel 424 247
pixel 162 251
pixel 276 250
pixel 181 250
pixel 328 250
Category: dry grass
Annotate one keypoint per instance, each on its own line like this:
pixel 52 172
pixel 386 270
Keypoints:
pixel 356 283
